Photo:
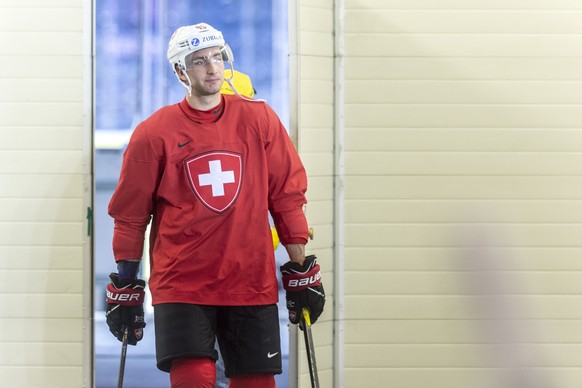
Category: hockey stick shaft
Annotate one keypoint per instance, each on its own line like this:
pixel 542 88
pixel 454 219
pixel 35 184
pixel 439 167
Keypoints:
pixel 123 355
pixel 310 349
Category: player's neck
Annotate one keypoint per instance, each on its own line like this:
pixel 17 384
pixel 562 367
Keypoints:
pixel 203 116
pixel 203 102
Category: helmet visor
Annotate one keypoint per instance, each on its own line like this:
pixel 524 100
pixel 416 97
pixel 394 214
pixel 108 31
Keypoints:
pixel 227 55
pixel 196 60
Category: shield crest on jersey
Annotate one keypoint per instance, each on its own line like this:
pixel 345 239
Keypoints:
pixel 215 178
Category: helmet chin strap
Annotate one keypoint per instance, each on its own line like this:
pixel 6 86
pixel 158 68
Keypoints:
pixel 187 85
pixel 230 83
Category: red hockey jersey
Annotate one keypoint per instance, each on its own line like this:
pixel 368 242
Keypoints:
pixel 208 190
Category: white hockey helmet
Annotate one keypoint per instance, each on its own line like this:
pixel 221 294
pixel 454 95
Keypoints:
pixel 189 39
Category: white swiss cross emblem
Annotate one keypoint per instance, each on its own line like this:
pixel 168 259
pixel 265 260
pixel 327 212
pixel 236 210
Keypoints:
pixel 215 178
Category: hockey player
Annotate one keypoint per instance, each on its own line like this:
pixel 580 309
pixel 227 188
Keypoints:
pixel 207 171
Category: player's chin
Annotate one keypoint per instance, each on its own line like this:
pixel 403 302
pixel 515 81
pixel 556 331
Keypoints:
pixel 213 88
pixel 208 91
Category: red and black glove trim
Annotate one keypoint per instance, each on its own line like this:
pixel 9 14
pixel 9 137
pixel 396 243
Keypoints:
pixel 130 292
pixel 298 278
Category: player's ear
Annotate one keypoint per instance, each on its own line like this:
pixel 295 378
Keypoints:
pixel 180 72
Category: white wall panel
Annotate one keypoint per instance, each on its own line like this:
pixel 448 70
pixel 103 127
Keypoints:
pixel 315 134
pixel 463 137
pixel 43 195
pixel 42 376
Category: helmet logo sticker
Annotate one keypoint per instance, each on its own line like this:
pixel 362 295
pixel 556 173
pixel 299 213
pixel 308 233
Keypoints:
pixel 215 178
pixel 195 42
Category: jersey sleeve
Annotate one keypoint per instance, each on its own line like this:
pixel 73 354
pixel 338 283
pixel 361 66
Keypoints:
pixel 132 203
pixel 287 185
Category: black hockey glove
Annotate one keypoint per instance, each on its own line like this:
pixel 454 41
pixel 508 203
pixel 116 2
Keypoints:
pixel 304 288
pixel 125 308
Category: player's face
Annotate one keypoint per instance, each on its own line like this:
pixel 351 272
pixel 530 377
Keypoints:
pixel 206 71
